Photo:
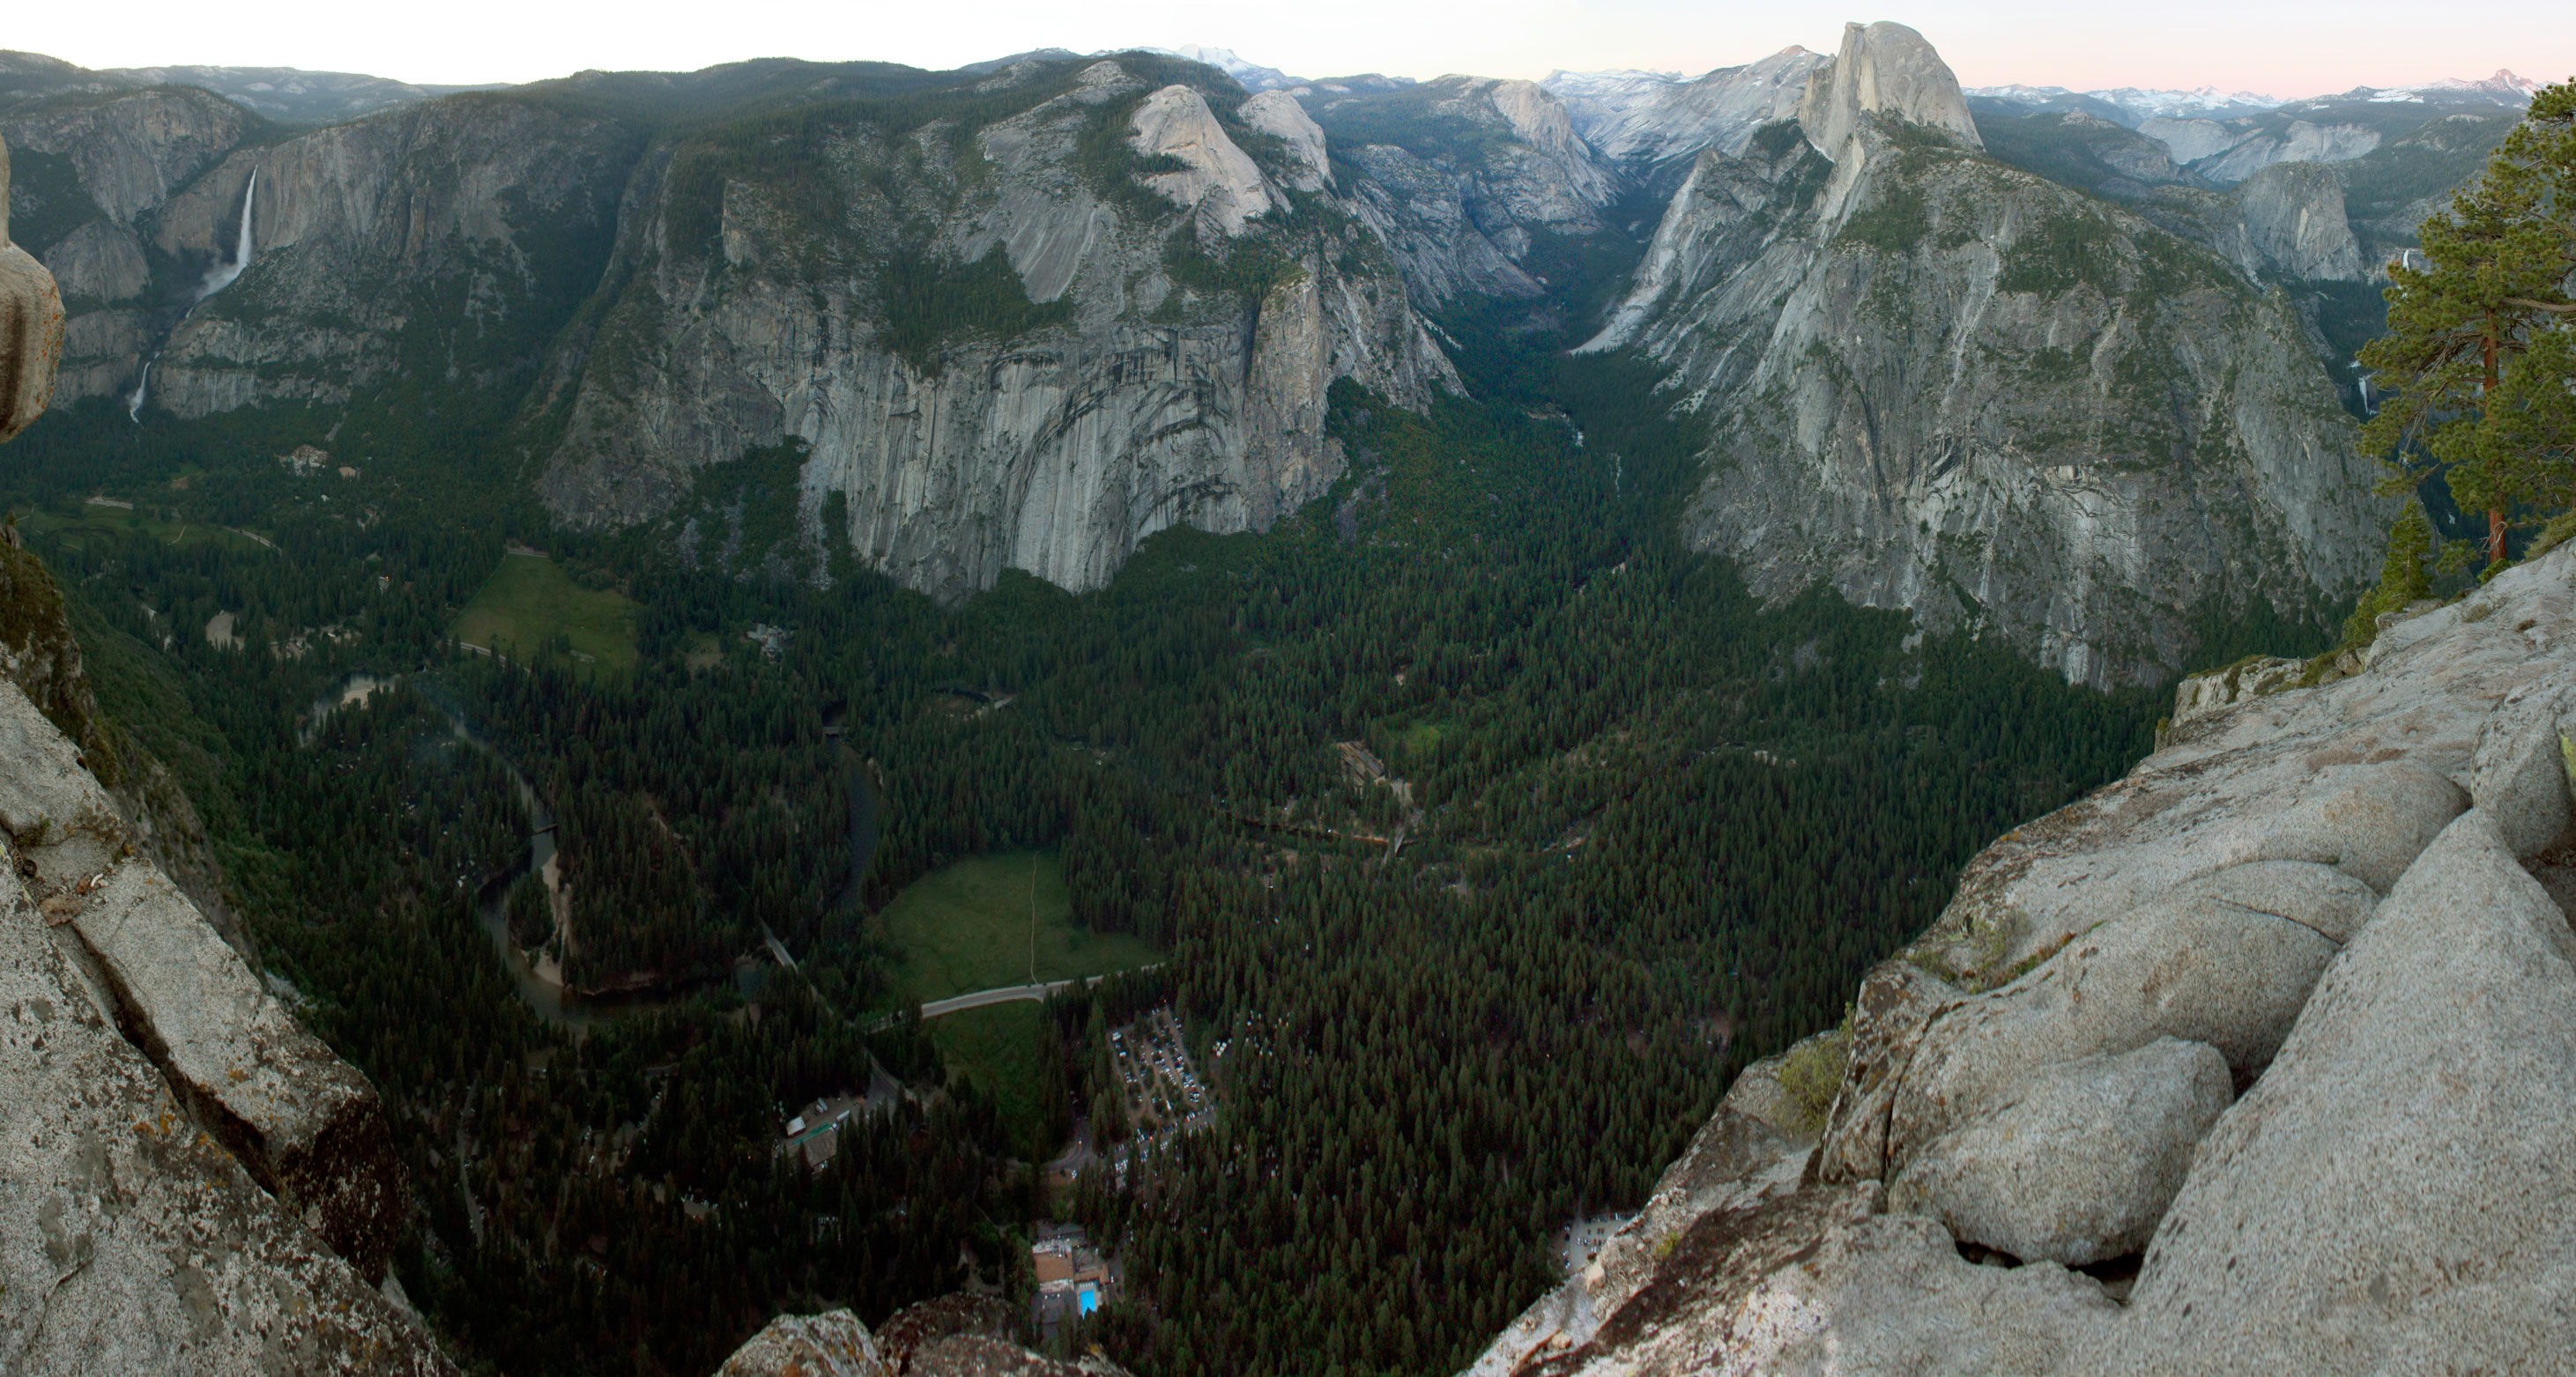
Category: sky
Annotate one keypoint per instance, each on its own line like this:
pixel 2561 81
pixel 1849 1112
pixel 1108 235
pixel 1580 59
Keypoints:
pixel 2265 46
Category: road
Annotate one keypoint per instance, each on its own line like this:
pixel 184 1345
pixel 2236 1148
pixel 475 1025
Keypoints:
pixel 1002 994
pixel 1006 994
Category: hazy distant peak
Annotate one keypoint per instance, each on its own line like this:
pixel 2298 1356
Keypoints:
pixel 995 64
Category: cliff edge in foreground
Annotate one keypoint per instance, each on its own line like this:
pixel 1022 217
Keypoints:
pixel 189 1181
pixel 2262 1058
pixel 957 1335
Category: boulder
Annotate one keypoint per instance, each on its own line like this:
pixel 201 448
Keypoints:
pixel 2368 820
pixel 832 1344
pixel 977 1355
pixel 924 1323
pixel 2519 776
pixel 306 1124
pixel 1752 1149
pixel 2193 968
pixel 2080 1168
pixel 48 797
pixel 952 1336
pixel 1750 1152
pixel 31 326
pixel 2399 1191
pixel 2200 695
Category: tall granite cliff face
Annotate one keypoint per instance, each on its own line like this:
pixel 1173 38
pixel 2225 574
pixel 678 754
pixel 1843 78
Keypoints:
pixel 1178 292
pixel 1026 342
pixel 434 239
pixel 1462 177
pixel 2260 1059
pixel 1940 383
pixel 188 1179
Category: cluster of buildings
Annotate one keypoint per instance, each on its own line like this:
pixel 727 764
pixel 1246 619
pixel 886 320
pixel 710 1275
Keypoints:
pixel 815 1132
pixel 1161 1087
pixel 1073 1279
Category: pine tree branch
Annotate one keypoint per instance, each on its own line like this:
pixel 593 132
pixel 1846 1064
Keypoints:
pixel 2526 303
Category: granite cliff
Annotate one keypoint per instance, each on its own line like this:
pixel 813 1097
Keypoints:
pixel 1463 178
pixel 2258 1059
pixel 1945 384
pixel 189 1179
pixel 1022 341
pixel 1020 319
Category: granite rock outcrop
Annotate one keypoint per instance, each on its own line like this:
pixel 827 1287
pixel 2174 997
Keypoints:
pixel 2294 214
pixel 31 326
pixel 1886 70
pixel 2378 1177
pixel 957 1335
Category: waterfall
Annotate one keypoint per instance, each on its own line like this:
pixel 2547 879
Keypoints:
pixel 218 277
pixel 221 275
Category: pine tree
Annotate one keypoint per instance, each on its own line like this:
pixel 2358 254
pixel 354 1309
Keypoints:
pixel 2476 361
pixel 2402 578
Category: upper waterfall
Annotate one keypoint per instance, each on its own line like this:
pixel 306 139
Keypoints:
pixel 221 275
pixel 218 277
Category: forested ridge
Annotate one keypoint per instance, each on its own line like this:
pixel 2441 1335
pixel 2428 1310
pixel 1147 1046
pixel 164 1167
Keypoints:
pixel 1651 828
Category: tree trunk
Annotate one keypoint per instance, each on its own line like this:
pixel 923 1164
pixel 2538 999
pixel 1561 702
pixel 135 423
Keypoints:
pixel 2495 515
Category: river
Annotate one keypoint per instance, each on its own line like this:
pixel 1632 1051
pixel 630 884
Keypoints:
pixel 543 993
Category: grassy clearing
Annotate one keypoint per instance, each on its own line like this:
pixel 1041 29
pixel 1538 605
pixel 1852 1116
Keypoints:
pixel 967 928
pixel 75 531
pixel 530 600
pixel 1422 738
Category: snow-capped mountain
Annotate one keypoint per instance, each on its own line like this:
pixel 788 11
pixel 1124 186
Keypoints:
pixel 2208 102
pixel 2504 88
pixel 1655 116
pixel 1252 75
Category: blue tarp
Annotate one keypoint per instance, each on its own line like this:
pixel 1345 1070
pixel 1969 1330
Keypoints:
pixel 1089 1300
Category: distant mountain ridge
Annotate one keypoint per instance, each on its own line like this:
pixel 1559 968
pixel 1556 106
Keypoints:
pixel 289 95
pixel 2132 106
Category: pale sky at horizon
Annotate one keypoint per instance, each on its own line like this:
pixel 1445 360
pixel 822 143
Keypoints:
pixel 2288 50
